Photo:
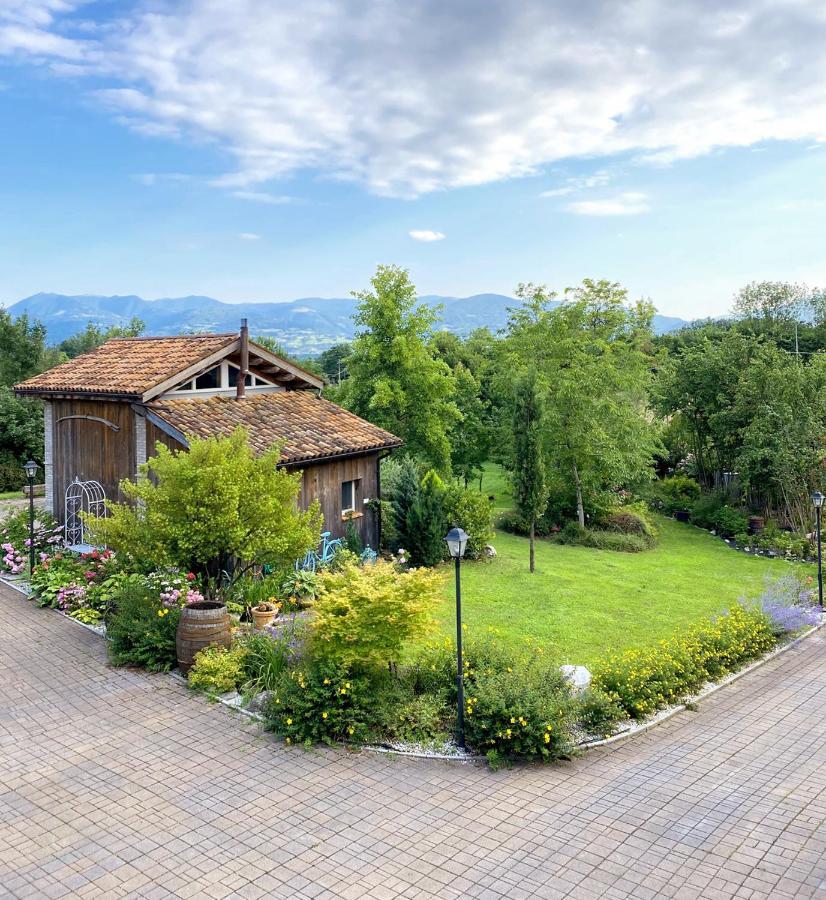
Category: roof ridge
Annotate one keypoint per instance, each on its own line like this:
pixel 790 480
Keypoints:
pixel 171 337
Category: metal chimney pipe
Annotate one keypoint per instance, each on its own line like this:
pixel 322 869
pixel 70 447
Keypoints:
pixel 244 350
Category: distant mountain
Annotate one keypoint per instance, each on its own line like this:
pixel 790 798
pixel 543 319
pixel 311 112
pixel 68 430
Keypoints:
pixel 305 326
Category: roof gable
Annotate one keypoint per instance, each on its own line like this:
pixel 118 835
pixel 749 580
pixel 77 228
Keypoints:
pixel 144 368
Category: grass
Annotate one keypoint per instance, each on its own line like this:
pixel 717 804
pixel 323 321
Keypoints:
pixel 11 495
pixel 582 603
pixel 495 484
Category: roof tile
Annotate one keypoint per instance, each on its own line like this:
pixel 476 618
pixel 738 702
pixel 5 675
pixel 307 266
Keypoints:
pixel 127 365
pixel 307 426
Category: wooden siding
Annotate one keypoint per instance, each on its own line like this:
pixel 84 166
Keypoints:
pixel 322 482
pixel 89 449
pixel 154 434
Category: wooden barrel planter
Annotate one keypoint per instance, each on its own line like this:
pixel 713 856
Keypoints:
pixel 202 625
pixel 756 524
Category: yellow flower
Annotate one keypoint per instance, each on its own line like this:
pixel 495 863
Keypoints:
pixel 289 721
pixel 288 741
pixel 326 681
pixel 324 715
pixel 513 721
pixel 350 730
pixel 547 738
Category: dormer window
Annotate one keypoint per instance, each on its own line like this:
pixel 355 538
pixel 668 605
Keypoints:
pixel 209 380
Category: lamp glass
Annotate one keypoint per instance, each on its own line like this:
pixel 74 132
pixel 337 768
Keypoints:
pixel 30 468
pixel 817 499
pixel 456 541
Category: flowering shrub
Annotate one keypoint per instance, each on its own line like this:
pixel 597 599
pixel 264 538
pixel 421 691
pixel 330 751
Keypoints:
pixel 323 701
pixel 643 681
pixel 516 706
pixel 15 539
pixel 140 631
pixel 68 582
pixel 174 587
pixel 789 603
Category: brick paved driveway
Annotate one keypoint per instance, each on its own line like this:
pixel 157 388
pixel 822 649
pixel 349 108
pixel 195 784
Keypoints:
pixel 115 783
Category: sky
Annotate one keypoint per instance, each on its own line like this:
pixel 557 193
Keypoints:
pixel 249 150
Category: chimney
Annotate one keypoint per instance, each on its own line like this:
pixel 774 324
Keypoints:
pixel 244 350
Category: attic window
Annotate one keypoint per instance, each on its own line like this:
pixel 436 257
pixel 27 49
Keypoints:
pixel 208 380
pixel 232 372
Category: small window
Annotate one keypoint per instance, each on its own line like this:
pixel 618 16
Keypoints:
pixel 348 496
pixel 233 377
pixel 210 379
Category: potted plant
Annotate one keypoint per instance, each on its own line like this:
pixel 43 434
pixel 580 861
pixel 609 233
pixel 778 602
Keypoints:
pixel 264 613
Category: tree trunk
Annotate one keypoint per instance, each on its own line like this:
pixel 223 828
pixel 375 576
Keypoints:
pixel 580 509
pixel 532 536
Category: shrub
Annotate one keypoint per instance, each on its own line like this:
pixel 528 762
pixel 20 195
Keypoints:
pixel 352 540
pixel 643 681
pixel 426 523
pixel 728 521
pixel 472 511
pixel 571 533
pixel 139 630
pixel 323 701
pixel 615 541
pixel 300 588
pixel 202 508
pixel 704 509
pixel 218 670
pixel 789 603
pixel 421 719
pixel 53 574
pixel 678 492
pixel 515 707
pixel 267 654
pixel 14 539
pixel 365 614
pixel 597 713
pixel 633 518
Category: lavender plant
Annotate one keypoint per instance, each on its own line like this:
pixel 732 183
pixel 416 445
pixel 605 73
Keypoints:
pixel 789 603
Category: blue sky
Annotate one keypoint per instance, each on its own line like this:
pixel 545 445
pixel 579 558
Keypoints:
pixel 246 152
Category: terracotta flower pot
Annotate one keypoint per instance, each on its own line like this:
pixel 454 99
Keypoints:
pixel 262 618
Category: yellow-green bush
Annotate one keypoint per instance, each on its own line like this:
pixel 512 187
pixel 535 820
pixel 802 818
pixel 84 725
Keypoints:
pixel 643 681
pixel 365 614
pixel 217 670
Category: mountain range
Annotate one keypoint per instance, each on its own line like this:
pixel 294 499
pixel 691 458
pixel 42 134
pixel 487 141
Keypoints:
pixel 305 327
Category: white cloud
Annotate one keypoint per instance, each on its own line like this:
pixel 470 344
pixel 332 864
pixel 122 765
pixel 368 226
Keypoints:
pixel 630 203
pixel 263 197
pixel 574 185
pixel 249 236
pixel 407 98
pixel 427 236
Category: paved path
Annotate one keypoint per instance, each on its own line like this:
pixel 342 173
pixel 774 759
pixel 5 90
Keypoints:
pixel 114 783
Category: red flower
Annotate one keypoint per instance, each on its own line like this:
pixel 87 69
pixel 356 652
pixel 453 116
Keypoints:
pixel 190 576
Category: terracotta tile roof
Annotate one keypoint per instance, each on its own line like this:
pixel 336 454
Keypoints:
pixel 127 365
pixel 307 426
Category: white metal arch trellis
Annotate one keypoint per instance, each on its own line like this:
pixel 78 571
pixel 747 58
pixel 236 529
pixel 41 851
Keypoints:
pixel 82 497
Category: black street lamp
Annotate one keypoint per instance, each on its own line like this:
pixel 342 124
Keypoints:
pixel 456 541
pixel 817 500
pixel 30 469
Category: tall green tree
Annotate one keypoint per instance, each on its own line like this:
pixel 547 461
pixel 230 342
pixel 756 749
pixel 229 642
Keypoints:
pixel 93 336
pixel 530 489
pixel 593 355
pixel 395 381
pixel 470 437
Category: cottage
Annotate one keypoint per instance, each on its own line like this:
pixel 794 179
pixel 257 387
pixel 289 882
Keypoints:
pixel 106 411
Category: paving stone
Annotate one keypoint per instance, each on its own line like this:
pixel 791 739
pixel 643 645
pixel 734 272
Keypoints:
pixel 116 783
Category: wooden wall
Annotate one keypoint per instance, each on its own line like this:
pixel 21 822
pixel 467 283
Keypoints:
pixel 92 450
pixel 154 434
pixel 322 482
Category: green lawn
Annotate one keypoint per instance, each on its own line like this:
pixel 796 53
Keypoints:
pixel 495 484
pixel 10 495
pixel 581 602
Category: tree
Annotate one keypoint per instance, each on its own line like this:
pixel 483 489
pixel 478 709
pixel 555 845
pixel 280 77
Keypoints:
pixel 22 348
pixel 470 438
pixel 395 381
pixel 205 507
pixel 333 362
pixel 593 356
pixel 93 336
pixel 427 523
pixel 530 491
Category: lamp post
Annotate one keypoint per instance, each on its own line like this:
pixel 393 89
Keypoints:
pixel 30 469
pixel 456 541
pixel 817 500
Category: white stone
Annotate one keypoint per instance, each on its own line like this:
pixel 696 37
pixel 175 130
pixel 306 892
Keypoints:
pixel 490 551
pixel 577 676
